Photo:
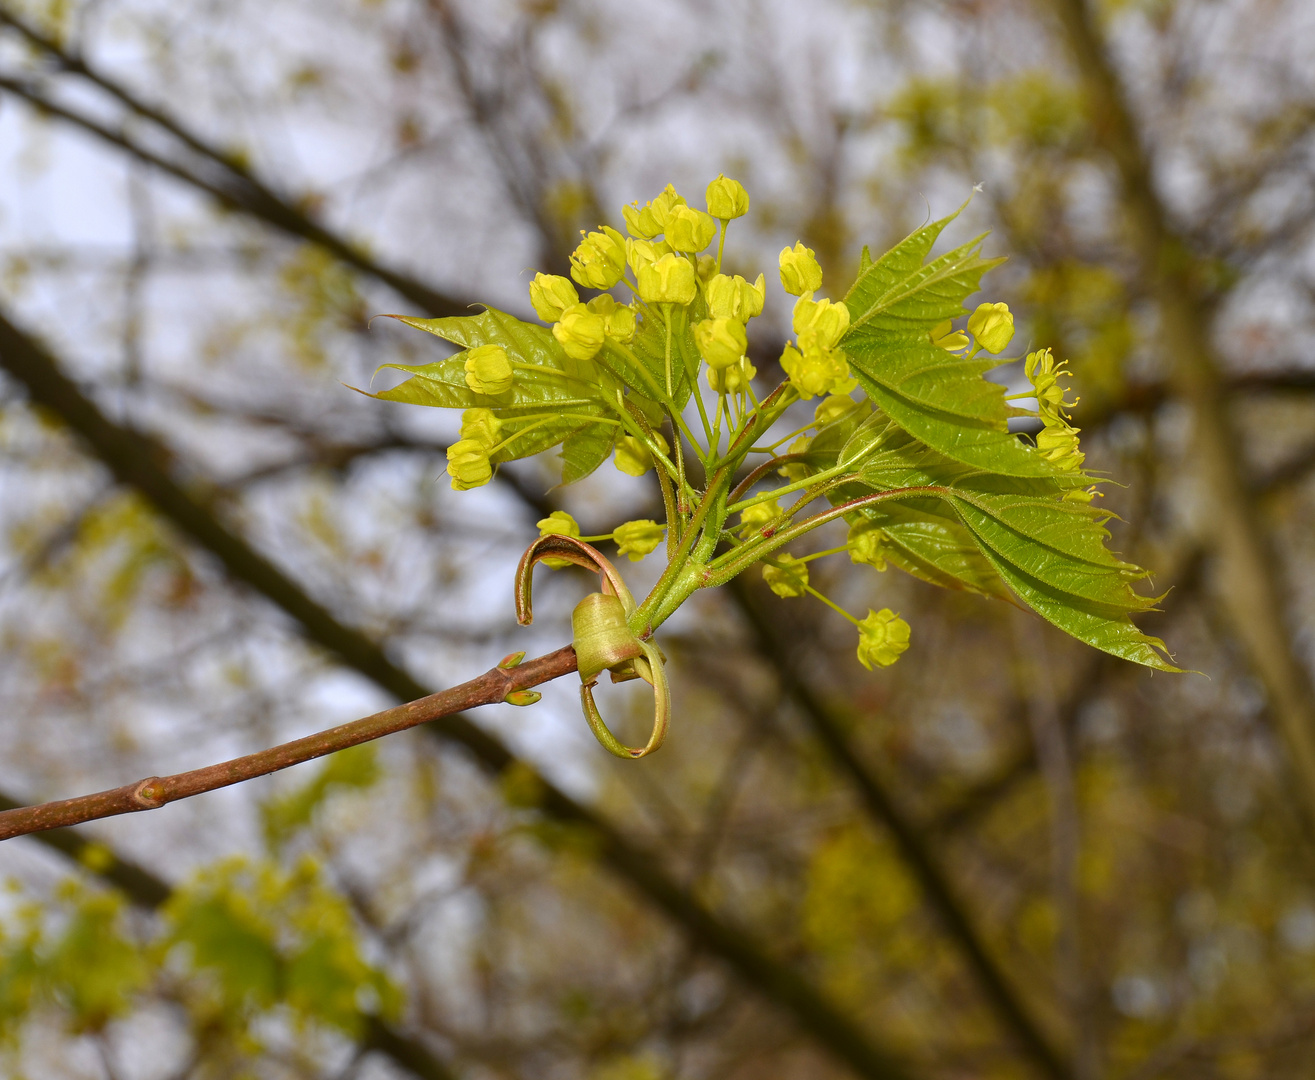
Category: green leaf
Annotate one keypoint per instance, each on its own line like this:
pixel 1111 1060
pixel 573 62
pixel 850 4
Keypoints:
pixel 938 397
pixel 585 450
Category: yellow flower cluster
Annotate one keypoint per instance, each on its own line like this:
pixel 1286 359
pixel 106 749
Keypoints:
pixel 814 362
pixel 1058 439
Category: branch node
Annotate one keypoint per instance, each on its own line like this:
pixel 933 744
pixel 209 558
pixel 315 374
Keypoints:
pixel 148 795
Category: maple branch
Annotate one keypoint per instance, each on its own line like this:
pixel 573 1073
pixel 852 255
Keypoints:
pixel 155 791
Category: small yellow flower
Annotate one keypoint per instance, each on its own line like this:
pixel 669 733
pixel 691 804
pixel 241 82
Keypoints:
pixel 721 342
pixel 833 408
pixel 735 298
pixel 635 539
pixel 632 456
pixel 945 336
pixel 551 294
pixel 488 371
pixel 882 638
pixel 641 253
pixel 468 464
pixel 758 516
pixel 800 272
pixel 482 426
pixel 788 579
pixel 798 470
pixel 580 332
pixel 600 260
pixel 867 542
pixel 618 319
pixel 558 523
pixel 727 198
pixel 670 280
pixel 650 220
pixel 993 326
pixel 731 379
pixel 827 320
pixel 706 268
pixel 816 371
pixel 690 230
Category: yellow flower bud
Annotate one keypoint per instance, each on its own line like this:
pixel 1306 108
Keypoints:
pixel 600 260
pixel 558 523
pixel 734 298
pixel 833 408
pixel 707 266
pixel 468 464
pixel 816 371
pixel 488 371
pixel 552 294
pixel 866 543
pixel 727 198
pixel 731 379
pixel 482 426
pixel 635 539
pixel 993 326
pixel 827 319
pixel 632 456
pixel 797 470
pixel 670 280
pixel 800 272
pixel 618 319
pixel 651 219
pixel 580 332
pixel 945 336
pixel 641 253
pixel 690 230
pixel 788 579
pixel 721 342
pixel 757 517
pixel 882 638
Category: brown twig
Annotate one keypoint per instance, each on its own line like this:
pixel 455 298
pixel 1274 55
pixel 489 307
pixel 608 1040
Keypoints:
pixel 153 792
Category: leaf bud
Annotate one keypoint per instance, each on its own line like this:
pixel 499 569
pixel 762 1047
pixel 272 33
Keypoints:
pixel 468 465
pixel 580 332
pixel 727 198
pixel 800 272
pixel 758 516
pixel 833 408
pixel 945 336
pixel 731 379
pixel 600 635
pixel 618 319
pixel 558 523
pixel 670 280
pixel 651 219
pixel 551 294
pixel 600 260
pixel 481 426
pixel 993 326
pixel 690 230
pixel 788 579
pixel 523 697
pixel 734 298
pixel 721 342
pixel 635 539
pixel 866 543
pixel 640 253
pixel 633 457
pixel 882 638
pixel 827 319
pixel 488 371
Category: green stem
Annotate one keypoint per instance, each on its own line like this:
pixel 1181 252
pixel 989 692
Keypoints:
pixel 721 242
pixel 798 485
pixel 806 558
pixel 831 604
pixel 666 322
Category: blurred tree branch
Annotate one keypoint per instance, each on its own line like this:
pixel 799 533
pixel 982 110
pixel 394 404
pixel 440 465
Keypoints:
pixel 1248 572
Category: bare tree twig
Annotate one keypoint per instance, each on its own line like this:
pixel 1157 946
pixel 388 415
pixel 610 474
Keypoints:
pixel 155 791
